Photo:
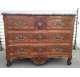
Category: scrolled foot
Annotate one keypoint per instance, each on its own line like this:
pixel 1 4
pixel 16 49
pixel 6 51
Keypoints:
pixel 69 61
pixel 8 63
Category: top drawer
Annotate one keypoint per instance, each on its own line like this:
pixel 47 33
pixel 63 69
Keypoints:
pixel 40 22
pixel 20 22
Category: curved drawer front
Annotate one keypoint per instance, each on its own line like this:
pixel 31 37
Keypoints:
pixel 21 22
pixel 39 49
pixel 52 49
pixel 56 49
pixel 22 50
pixel 59 22
pixel 34 37
pixel 40 22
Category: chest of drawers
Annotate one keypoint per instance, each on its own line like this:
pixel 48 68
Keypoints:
pixel 38 37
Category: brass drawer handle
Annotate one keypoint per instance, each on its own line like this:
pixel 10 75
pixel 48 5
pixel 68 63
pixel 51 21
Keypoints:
pixel 21 37
pixel 58 24
pixel 40 24
pixel 58 49
pixel 39 37
pixel 21 50
pixel 58 37
pixel 40 49
pixel 20 23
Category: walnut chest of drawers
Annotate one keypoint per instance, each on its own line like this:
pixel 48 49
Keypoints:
pixel 38 37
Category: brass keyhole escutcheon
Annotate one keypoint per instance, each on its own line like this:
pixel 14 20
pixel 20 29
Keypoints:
pixel 40 24
pixel 58 23
pixel 58 37
pixel 20 23
pixel 58 49
pixel 21 50
pixel 40 49
pixel 21 37
pixel 39 37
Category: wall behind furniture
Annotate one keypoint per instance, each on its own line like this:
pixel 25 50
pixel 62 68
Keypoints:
pixel 38 5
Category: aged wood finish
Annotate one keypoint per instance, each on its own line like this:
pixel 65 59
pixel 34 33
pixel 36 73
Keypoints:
pixel 38 37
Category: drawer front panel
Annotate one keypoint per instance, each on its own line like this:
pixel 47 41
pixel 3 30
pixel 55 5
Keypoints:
pixel 40 22
pixel 40 36
pixel 59 22
pixel 56 49
pixel 39 49
pixel 22 50
pixel 21 22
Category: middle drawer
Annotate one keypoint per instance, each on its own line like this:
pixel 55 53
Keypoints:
pixel 39 36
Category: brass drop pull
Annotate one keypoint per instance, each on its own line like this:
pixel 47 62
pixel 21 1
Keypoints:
pixel 58 37
pixel 40 24
pixel 39 37
pixel 21 50
pixel 21 37
pixel 39 49
pixel 58 49
pixel 58 24
pixel 20 23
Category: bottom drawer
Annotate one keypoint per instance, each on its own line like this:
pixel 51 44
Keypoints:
pixel 56 49
pixel 21 50
pixel 39 49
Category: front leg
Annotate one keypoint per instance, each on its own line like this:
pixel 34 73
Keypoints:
pixel 8 64
pixel 69 61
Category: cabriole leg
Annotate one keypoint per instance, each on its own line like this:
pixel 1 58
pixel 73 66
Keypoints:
pixel 8 63
pixel 69 61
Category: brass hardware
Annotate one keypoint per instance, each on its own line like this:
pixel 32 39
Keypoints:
pixel 21 50
pixel 58 37
pixel 39 37
pixel 40 49
pixel 58 24
pixel 21 37
pixel 40 24
pixel 58 49
pixel 20 23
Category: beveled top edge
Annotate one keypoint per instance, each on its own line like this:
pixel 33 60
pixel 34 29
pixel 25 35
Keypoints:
pixel 41 13
pixel 51 14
